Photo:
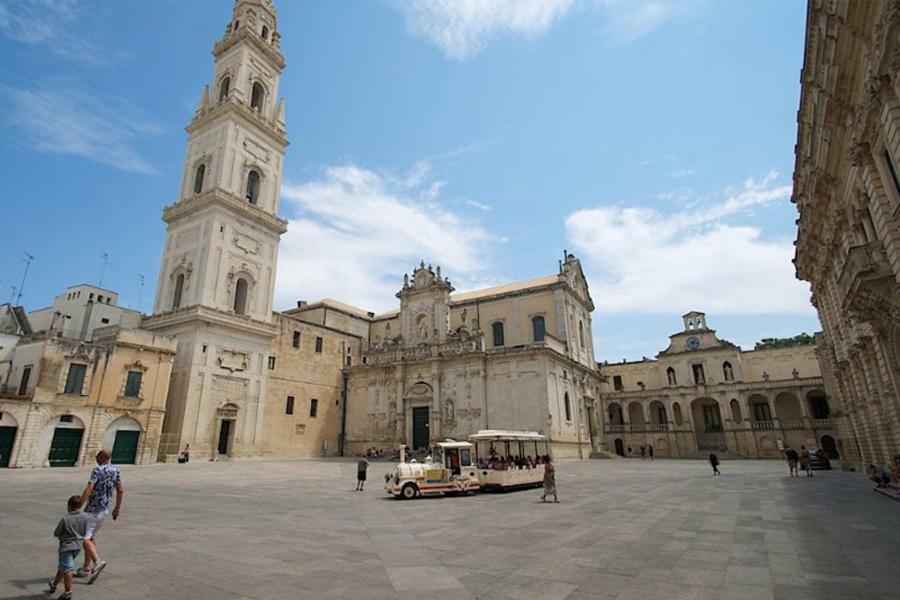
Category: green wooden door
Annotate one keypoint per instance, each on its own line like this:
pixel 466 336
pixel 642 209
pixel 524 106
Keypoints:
pixel 7 438
pixel 125 447
pixel 65 446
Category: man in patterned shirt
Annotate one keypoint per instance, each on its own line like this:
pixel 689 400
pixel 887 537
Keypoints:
pixel 104 479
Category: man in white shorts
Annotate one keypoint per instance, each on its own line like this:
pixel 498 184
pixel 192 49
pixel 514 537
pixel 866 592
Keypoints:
pixel 104 479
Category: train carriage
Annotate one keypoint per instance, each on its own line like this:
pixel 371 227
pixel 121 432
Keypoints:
pixel 509 460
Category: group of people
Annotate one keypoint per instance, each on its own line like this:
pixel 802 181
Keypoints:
pixel 78 528
pixel 803 460
pixel 374 452
pixel 647 452
pixel 884 479
pixel 503 463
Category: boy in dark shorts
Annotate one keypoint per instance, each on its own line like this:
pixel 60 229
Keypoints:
pixel 361 468
pixel 70 530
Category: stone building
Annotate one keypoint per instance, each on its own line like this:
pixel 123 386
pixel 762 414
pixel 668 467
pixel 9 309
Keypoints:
pixel 446 365
pixel 703 392
pixel 217 276
pixel 64 399
pixel 847 193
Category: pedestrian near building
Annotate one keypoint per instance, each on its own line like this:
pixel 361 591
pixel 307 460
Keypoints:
pixel 70 531
pixel 790 455
pixel 643 452
pixel 650 451
pixel 104 479
pixel 361 467
pixel 549 480
pixel 805 461
pixel 714 462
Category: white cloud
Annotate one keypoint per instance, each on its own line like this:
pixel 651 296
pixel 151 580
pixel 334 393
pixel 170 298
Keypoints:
pixel 627 20
pixel 682 173
pixel 63 120
pixel 462 28
pixel 645 261
pixel 353 233
pixel 54 25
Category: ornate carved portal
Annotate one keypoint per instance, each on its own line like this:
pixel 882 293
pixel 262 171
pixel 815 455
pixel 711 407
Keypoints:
pixel 417 410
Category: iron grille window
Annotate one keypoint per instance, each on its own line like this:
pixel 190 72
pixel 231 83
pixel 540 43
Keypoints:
pixel 319 344
pixel 271 362
pixel 295 342
pixel 313 407
pixel 289 406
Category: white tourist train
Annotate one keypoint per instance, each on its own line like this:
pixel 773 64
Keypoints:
pixel 449 469
pixel 508 460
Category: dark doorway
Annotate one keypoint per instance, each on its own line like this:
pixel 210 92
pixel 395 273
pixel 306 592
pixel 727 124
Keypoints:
pixel 225 436
pixel 620 447
pixel 125 447
pixel 7 439
pixel 830 447
pixel 420 427
pixel 65 446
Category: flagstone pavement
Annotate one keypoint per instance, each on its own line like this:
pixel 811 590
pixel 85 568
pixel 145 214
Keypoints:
pixel 625 529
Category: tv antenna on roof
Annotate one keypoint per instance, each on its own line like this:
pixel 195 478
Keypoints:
pixel 28 258
pixel 106 263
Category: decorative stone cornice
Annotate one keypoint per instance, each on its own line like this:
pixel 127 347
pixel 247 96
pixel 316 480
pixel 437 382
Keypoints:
pixel 208 315
pixel 233 107
pixel 250 37
pixel 217 197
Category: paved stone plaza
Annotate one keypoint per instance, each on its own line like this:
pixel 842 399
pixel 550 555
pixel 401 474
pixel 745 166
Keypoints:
pixel 624 529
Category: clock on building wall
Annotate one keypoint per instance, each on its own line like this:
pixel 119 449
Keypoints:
pixel 693 342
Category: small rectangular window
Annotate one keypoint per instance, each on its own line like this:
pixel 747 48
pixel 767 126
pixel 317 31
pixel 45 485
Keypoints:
pixel 349 361
pixel 133 384
pixel 75 379
pixel 289 406
pixel 271 362
pixel 104 320
pixel 23 384
pixel 296 341
pixel 617 383
pixel 313 407
pixel 319 344
pixel 66 419
pixel 497 330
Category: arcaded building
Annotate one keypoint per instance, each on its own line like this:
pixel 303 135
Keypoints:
pixel 704 393
pixel 847 193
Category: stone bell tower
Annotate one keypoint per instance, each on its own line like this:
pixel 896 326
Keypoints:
pixel 217 275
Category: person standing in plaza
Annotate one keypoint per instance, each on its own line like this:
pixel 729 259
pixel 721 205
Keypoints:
pixel 104 479
pixel 361 467
pixel 650 451
pixel 70 532
pixel 790 455
pixel 714 462
pixel 549 481
pixel 643 452
pixel 805 461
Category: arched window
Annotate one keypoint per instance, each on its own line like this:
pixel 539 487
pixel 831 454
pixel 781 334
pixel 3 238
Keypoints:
pixel 224 88
pixel 538 329
pixel 670 373
pixel 252 192
pixel 497 330
pixel 179 290
pixel 256 96
pixel 198 179
pixel 568 406
pixel 265 32
pixel 727 371
pixel 240 296
pixel 581 333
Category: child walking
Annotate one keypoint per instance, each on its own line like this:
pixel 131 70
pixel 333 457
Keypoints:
pixel 70 530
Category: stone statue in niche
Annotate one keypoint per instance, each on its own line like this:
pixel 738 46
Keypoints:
pixel 422 327
pixel 449 412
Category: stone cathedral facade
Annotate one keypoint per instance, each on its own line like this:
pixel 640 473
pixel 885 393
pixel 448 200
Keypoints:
pixel 847 192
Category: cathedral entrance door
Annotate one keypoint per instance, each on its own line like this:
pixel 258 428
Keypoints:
pixel 420 426
pixel 225 436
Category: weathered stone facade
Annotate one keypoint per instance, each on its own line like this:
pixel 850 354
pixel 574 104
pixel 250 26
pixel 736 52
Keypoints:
pixel 705 393
pixel 115 383
pixel 847 192
pixel 217 277
pixel 445 366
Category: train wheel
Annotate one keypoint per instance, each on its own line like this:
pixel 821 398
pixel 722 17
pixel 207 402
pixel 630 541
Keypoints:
pixel 409 491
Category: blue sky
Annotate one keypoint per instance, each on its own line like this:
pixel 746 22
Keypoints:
pixel 654 139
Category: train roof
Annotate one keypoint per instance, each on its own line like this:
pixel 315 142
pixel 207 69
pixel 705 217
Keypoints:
pixel 504 434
